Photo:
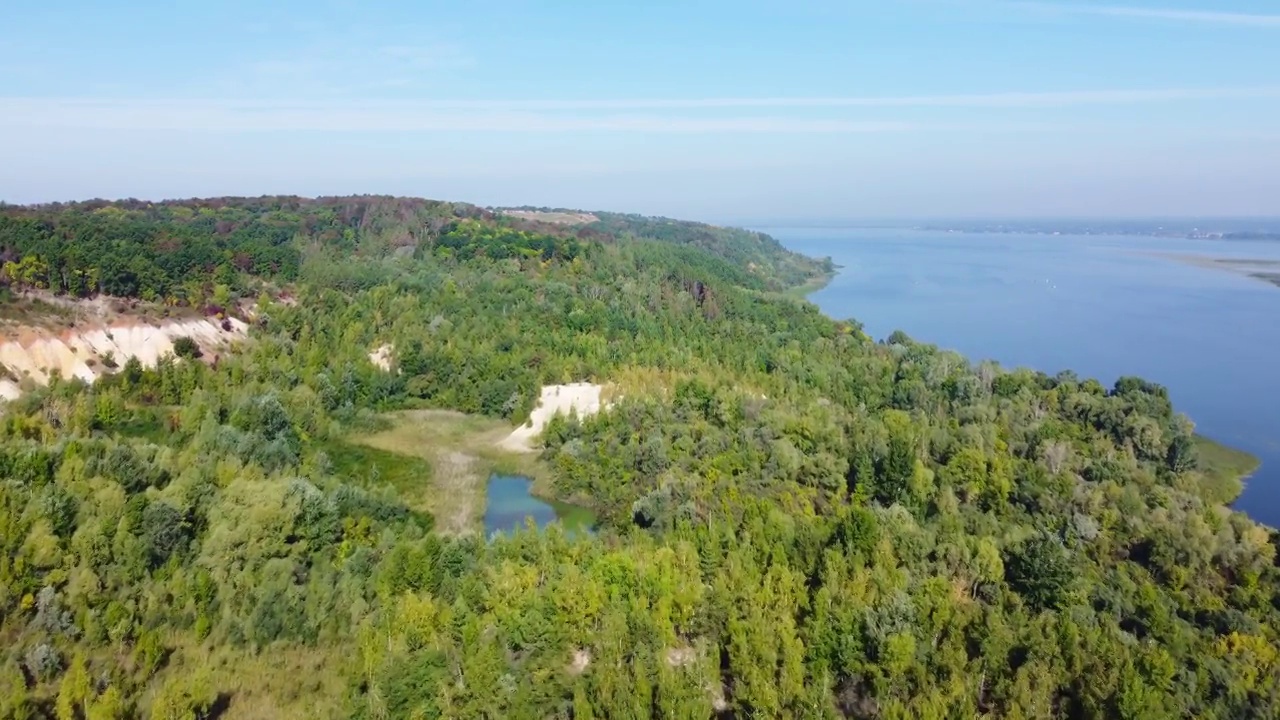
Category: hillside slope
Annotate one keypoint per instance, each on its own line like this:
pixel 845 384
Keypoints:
pixel 794 520
pixel 175 251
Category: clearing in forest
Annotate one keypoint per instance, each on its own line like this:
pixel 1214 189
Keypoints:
pixel 462 450
pixel 553 217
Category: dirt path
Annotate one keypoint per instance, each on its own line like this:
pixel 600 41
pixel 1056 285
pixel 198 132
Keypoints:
pixel 457 478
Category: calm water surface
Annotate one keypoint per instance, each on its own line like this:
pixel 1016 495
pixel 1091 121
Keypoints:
pixel 510 502
pixel 1101 306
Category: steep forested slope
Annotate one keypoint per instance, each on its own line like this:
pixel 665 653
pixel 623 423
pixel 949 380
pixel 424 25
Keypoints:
pixel 761 255
pixel 165 250
pixel 797 521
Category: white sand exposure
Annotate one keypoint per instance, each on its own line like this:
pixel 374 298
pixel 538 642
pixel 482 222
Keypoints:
pixel 581 398
pixel 381 357
pixel 38 354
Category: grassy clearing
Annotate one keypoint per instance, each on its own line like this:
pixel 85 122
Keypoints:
pixel 1224 469
pixel 552 217
pixel 25 311
pixel 803 291
pixel 408 475
pixel 148 424
pixel 461 451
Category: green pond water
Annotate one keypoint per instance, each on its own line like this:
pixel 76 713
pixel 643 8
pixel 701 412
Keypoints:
pixel 510 502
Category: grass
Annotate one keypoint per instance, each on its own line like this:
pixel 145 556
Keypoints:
pixel 461 451
pixel 33 311
pixel 1224 469
pixel 804 290
pixel 408 475
pixel 147 423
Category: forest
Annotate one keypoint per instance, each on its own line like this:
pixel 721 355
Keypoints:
pixel 795 519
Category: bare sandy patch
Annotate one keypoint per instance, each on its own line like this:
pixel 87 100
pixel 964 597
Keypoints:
pixel 581 659
pixel 1266 270
pixel 554 218
pixel 381 357
pixel 583 399
pixel 87 352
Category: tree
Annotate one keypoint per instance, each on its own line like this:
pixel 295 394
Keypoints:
pixel 1041 571
pixel 74 693
pixel 1182 455
pixel 165 532
pixel 185 347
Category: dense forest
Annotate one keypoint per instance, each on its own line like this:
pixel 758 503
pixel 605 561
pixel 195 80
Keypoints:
pixel 167 251
pixel 796 520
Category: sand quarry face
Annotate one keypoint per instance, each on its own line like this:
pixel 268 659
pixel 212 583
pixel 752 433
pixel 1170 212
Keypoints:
pixel 39 354
pixel 581 398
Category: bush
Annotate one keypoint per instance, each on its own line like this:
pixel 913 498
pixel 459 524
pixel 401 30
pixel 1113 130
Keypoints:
pixel 185 347
pixel 43 661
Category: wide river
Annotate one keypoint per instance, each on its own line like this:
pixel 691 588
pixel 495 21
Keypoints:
pixel 1101 306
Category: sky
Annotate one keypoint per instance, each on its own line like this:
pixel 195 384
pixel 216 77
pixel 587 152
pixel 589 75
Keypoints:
pixel 748 110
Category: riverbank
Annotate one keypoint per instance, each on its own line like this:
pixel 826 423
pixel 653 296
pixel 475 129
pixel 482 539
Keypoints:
pixel 1264 270
pixel 804 290
pixel 1224 469
pixel 970 277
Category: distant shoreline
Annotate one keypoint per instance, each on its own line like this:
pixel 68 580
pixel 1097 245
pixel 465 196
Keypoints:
pixel 813 285
pixel 1263 270
pixel 1226 229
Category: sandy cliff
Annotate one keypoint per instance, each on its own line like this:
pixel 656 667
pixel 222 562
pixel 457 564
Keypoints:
pixel 38 354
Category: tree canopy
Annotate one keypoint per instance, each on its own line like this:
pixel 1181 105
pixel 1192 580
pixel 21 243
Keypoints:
pixel 795 519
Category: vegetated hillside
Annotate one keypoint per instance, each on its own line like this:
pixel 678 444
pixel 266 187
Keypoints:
pixel 796 521
pixel 173 251
pixel 761 254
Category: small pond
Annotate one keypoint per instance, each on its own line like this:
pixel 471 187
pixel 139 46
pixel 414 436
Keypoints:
pixel 511 501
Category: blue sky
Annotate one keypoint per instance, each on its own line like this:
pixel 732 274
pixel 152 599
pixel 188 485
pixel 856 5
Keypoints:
pixel 742 109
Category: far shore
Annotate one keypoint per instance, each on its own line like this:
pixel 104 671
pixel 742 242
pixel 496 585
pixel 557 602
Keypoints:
pixel 1248 267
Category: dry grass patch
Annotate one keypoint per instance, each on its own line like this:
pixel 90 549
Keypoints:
pixel 553 218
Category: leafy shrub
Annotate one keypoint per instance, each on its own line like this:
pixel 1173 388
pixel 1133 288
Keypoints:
pixel 187 348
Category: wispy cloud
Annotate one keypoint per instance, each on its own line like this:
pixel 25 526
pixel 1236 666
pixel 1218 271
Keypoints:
pixel 1212 17
pixel 970 100
pixel 336 69
pixel 646 115
pixel 391 117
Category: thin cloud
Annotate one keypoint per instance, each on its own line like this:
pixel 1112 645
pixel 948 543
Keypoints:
pixel 381 117
pixel 700 115
pixel 1211 17
pixel 971 100
pixel 987 100
pixel 333 69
